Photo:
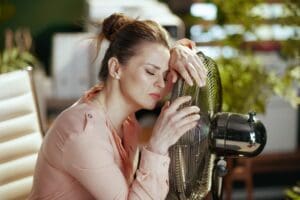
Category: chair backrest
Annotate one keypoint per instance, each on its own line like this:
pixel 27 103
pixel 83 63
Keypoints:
pixel 20 133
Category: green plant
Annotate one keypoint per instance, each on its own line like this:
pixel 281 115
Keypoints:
pixel 16 54
pixel 293 193
pixel 14 59
pixel 247 85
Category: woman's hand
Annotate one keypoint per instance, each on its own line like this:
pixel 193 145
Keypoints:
pixel 172 123
pixel 186 63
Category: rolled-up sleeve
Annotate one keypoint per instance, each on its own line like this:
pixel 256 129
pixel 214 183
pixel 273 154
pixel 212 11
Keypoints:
pixel 90 160
pixel 152 176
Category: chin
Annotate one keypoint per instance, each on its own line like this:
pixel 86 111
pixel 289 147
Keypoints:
pixel 149 106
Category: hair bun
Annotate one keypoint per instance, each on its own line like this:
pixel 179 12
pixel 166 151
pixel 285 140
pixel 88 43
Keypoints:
pixel 113 23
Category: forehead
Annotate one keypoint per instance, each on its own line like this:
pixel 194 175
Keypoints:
pixel 153 53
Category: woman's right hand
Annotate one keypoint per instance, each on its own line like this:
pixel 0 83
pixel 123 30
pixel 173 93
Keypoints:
pixel 171 124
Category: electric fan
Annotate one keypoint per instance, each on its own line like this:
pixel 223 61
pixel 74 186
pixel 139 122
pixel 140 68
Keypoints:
pixel 197 159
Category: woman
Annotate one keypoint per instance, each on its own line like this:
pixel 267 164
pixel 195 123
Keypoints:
pixel 91 150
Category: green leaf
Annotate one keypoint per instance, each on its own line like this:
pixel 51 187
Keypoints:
pixel 27 57
pixel 13 53
pixel 5 56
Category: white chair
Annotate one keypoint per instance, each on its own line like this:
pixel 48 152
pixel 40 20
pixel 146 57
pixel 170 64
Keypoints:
pixel 20 134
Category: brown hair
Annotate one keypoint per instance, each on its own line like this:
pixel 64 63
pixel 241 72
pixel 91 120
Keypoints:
pixel 125 34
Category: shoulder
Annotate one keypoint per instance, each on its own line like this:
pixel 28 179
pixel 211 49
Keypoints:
pixel 79 118
pixel 81 122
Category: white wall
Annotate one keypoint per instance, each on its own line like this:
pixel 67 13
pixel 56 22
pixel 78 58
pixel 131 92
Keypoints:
pixel 280 121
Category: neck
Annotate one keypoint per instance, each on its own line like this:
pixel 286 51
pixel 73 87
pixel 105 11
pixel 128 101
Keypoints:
pixel 115 105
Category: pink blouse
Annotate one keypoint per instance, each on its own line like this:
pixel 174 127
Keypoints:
pixel 82 157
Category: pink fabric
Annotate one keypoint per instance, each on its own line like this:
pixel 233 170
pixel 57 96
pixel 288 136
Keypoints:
pixel 83 158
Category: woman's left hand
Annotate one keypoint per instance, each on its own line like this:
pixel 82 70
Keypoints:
pixel 187 64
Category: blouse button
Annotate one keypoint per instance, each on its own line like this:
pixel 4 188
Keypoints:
pixel 90 116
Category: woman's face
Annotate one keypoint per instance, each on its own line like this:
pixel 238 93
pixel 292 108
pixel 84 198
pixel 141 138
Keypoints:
pixel 143 78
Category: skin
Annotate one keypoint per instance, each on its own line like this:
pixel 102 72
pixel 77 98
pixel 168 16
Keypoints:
pixel 141 83
pixel 185 62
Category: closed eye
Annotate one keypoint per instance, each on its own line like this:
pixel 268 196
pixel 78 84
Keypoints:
pixel 165 76
pixel 149 72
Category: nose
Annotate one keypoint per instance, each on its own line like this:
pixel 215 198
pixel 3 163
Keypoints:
pixel 160 82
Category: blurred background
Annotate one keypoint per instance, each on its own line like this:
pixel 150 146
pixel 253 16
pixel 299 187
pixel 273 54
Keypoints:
pixel 256 44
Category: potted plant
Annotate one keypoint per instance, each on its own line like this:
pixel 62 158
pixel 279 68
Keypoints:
pixel 248 85
pixel 16 54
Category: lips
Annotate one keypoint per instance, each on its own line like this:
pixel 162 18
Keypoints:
pixel 155 96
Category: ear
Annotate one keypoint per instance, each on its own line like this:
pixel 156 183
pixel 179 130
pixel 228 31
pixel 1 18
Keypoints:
pixel 114 68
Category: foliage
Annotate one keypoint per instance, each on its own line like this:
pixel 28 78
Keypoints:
pixel 16 54
pixel 247 84
pixel 293 193
pixel 14 59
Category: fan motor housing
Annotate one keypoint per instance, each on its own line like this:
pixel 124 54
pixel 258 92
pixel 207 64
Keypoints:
pixel 236 135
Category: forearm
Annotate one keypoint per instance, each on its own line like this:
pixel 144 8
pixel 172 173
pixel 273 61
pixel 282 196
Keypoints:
pixel 152 177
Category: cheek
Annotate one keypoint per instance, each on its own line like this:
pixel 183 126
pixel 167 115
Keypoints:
pixel 139 77
pixel 138 83
pixel 141 81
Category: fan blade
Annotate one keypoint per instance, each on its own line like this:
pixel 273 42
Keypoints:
pixel 191 159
